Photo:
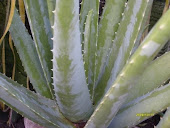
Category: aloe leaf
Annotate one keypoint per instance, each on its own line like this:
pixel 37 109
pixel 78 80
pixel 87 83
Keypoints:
pixel 86 6
pixel 143 108
pixel 89 56
pixel 154 75
pixel 28 55
pixel 108 26
pixel 117 94
pixel 144 29
pixel 20 74
pixel 35 107
pixel 37 12
pixel 68 70
pixel 127 35
pixel 51 7
pixel 165 121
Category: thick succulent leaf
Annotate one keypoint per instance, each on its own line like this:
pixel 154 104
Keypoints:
pixel 143 108
pixel 117 94
pixel 51 7
pixel 87 39
pixel 89 52
pixel 108 26
pixel 154 75
pixel 35 107
pixel 86 6
pixel 165 121
pixel 144 28
pixel 68 69
pixel 28 55
pixel 20 74
pixel 127 35
pixel 37 12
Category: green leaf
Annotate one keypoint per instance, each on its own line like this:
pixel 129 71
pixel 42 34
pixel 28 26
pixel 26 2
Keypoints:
pixel 90 49
pixel 35 107
pixel 89 55
pixel 20 74
pixel 37 12
pixel 117 94
pixel 143 27
pixel 89 52
pixel 68 70
pixel 51 7
pixel 28 55
pixel 154 75
pixel 120 51
pixel 143 108
pixel 86 6
pixel 165 121
pixel 108 26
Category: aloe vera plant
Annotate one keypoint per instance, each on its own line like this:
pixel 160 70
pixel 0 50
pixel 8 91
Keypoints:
pixel 88 70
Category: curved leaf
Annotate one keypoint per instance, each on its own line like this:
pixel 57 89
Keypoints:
pixel 121 48
pixel 89 50
pixel 68 70
pixel 86 6
pixel 87 54
pixel 108 26
pixel 37 12
pixel 28 55
pixel 154 75
pixel 117 94
pixel 35 107
pixel 143 108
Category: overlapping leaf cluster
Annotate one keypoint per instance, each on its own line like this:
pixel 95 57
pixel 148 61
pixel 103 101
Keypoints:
pixel 86 69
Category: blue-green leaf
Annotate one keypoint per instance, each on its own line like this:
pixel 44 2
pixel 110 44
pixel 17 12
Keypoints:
pixel 120 50
pixel 68 69
pixel 38 18
pixel 86 6
pixel 143 108
pixel 154 75
pixel 28 55
pixel 51 7
pixel 108 26
pixel 35 107
pixel 89 54
pixel 117 94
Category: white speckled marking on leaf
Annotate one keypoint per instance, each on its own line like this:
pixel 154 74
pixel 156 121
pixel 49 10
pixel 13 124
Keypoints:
pixel 149 48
